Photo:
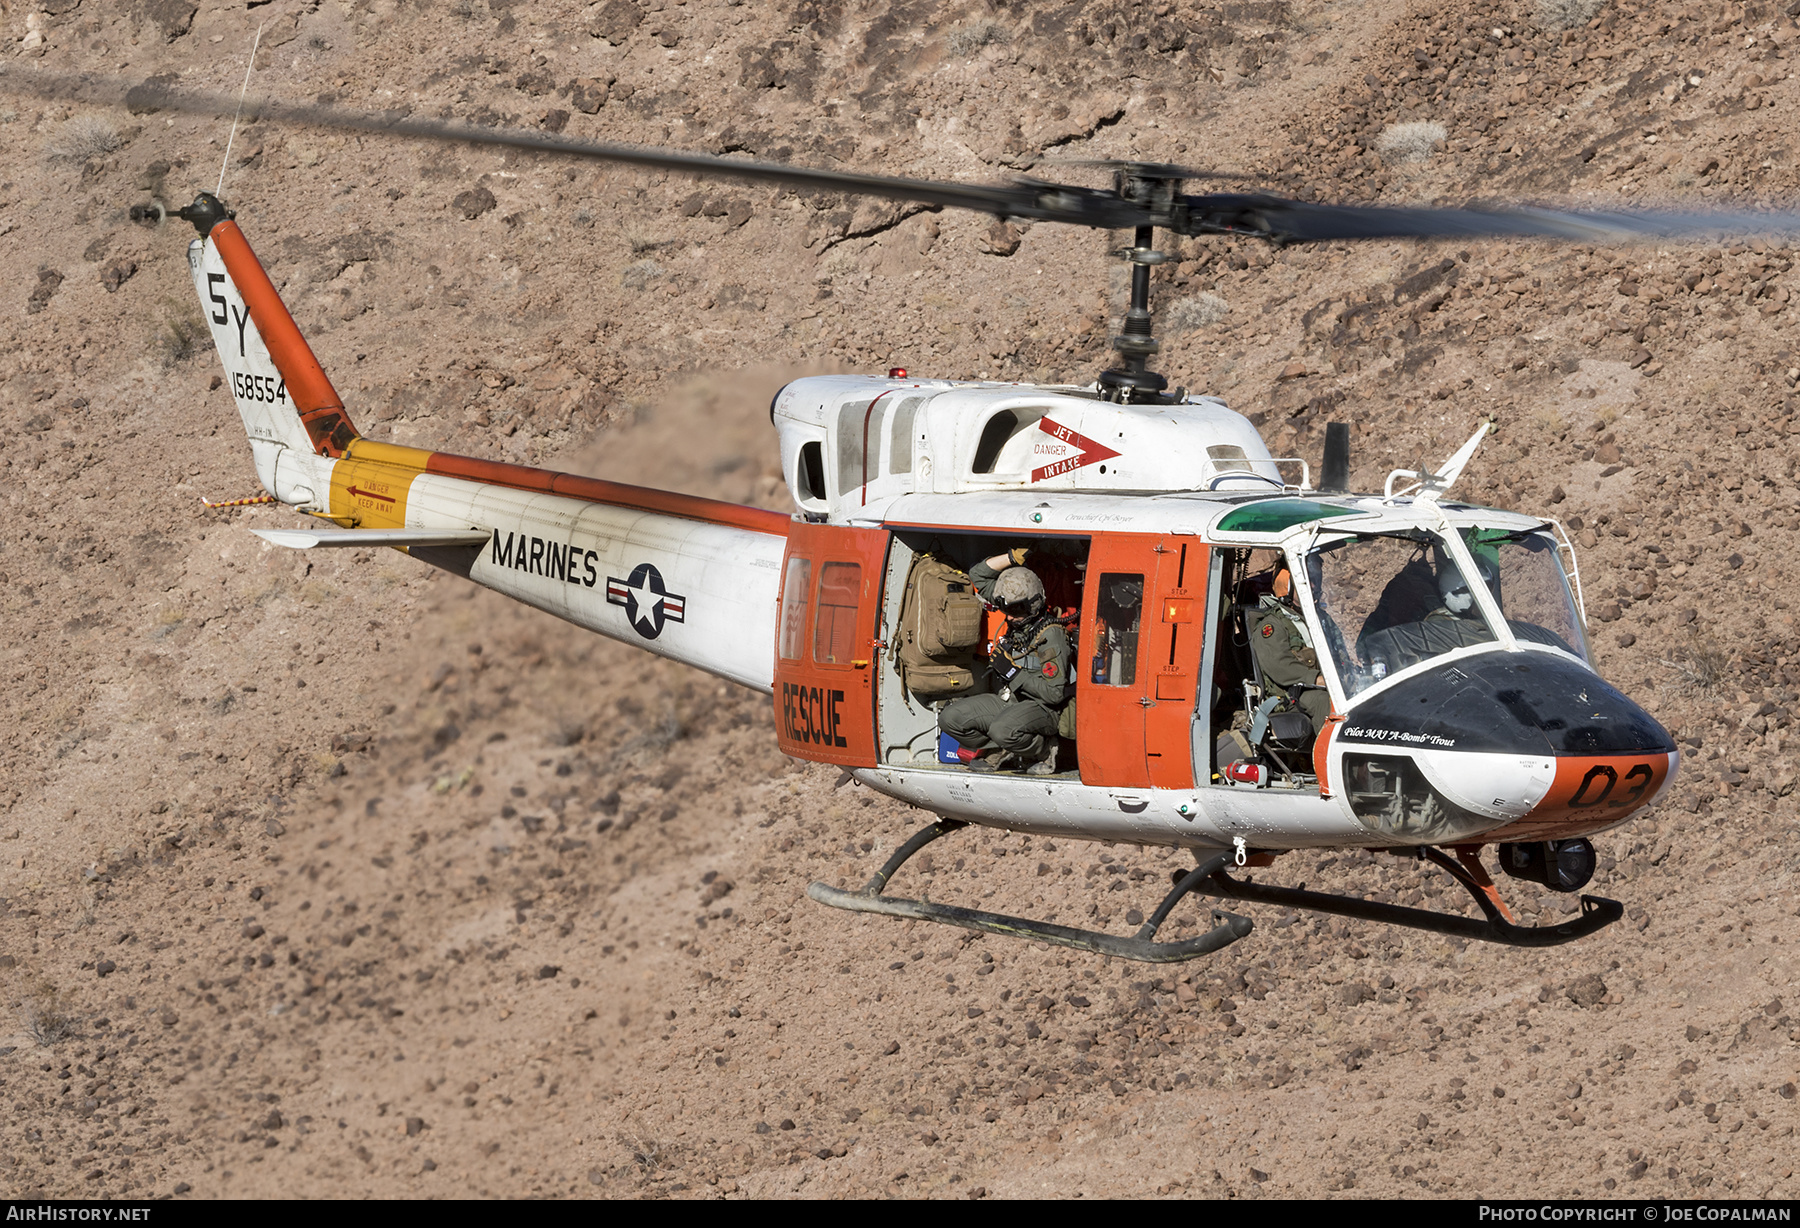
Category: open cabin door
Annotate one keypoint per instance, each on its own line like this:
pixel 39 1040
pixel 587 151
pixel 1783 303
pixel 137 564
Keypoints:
pixel 1141 632
pixel 826 643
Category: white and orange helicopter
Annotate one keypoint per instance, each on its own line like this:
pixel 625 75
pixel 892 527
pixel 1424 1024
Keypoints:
pixel 1155 519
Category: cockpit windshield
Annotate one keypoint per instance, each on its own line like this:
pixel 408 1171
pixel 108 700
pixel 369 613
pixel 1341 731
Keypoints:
pixel 1390 601
pixel 1386 602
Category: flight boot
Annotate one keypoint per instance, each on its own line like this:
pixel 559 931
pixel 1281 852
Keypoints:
pixel 1044 762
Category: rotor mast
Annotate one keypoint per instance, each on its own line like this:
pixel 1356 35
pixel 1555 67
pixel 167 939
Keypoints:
pixel 1131 380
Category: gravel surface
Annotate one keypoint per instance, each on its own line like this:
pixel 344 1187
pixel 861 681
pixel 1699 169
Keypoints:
pixel 333 876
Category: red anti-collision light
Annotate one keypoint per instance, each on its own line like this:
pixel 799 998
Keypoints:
pixel 896 372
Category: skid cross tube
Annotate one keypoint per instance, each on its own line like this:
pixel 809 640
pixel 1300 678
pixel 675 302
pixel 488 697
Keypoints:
pixel 1227 928
pixel 1596 913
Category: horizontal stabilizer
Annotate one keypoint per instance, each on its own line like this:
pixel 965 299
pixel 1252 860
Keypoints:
pixel 306 539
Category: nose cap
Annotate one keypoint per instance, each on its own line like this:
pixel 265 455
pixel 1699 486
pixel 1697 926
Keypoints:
pixel 1527 703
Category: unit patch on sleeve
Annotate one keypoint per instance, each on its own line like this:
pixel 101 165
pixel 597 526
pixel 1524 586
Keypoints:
pixel 648 604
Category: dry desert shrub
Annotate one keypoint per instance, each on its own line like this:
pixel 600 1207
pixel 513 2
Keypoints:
pixel 1566 14
pixel 48 1020
pixel 1699 670
pixel 967 40
pixel 640 274
pixel 1200 311
pixel 179 335
pixel 1414 142
pixel 83 139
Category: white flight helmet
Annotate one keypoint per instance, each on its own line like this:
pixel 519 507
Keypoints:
pixel 1454 590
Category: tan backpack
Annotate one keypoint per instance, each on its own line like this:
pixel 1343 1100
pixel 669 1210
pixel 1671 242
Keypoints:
pixel 940 629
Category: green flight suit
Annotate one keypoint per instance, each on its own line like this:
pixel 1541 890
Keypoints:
pixel 1031 662
pixel 1288 660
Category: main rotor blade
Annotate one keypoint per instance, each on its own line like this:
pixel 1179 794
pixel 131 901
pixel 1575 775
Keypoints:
pixel 1293 221
pixel 1024 199
pixel 1260 216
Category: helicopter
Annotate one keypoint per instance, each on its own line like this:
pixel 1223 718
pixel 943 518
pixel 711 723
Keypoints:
pixel 1157 520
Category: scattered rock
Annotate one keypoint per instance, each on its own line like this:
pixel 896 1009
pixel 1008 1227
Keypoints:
pixel 117 274
pixel 474 202
pixel 47 283
pixel 1001 239
pixel 615 20
pixel 588 95
pixel 1586 991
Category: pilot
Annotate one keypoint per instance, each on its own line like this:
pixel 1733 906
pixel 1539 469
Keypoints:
pixel 1455 600
pixel 1285 652
pixel 1030 665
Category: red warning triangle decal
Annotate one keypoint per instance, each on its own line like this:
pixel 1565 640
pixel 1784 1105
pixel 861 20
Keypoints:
pixel 1079 450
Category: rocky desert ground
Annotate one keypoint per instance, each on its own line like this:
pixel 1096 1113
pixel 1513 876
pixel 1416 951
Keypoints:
pixel 337 877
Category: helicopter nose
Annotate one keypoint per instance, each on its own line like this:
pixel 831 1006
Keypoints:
pixel 1525 745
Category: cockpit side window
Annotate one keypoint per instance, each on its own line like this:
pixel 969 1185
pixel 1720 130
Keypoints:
pixel 1530 586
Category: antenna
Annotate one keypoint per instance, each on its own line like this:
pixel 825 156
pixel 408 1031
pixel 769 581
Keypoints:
pixel 1334 475
pixel 248 69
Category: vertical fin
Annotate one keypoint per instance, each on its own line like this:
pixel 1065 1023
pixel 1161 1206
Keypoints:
pixel 328 427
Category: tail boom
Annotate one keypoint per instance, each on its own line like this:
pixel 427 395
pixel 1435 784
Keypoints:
pixel 691 579
pixel 688 578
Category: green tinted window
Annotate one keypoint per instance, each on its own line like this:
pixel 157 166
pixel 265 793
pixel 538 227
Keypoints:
pixel 1276 515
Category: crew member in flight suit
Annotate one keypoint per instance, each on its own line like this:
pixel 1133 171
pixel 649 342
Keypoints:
pixel 1285 652
pixel 1030 665
pixel 1457 602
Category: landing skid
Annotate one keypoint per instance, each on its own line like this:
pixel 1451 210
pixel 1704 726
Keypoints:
pixel 1596 913
pixel 1228 928
pixel 1209 877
